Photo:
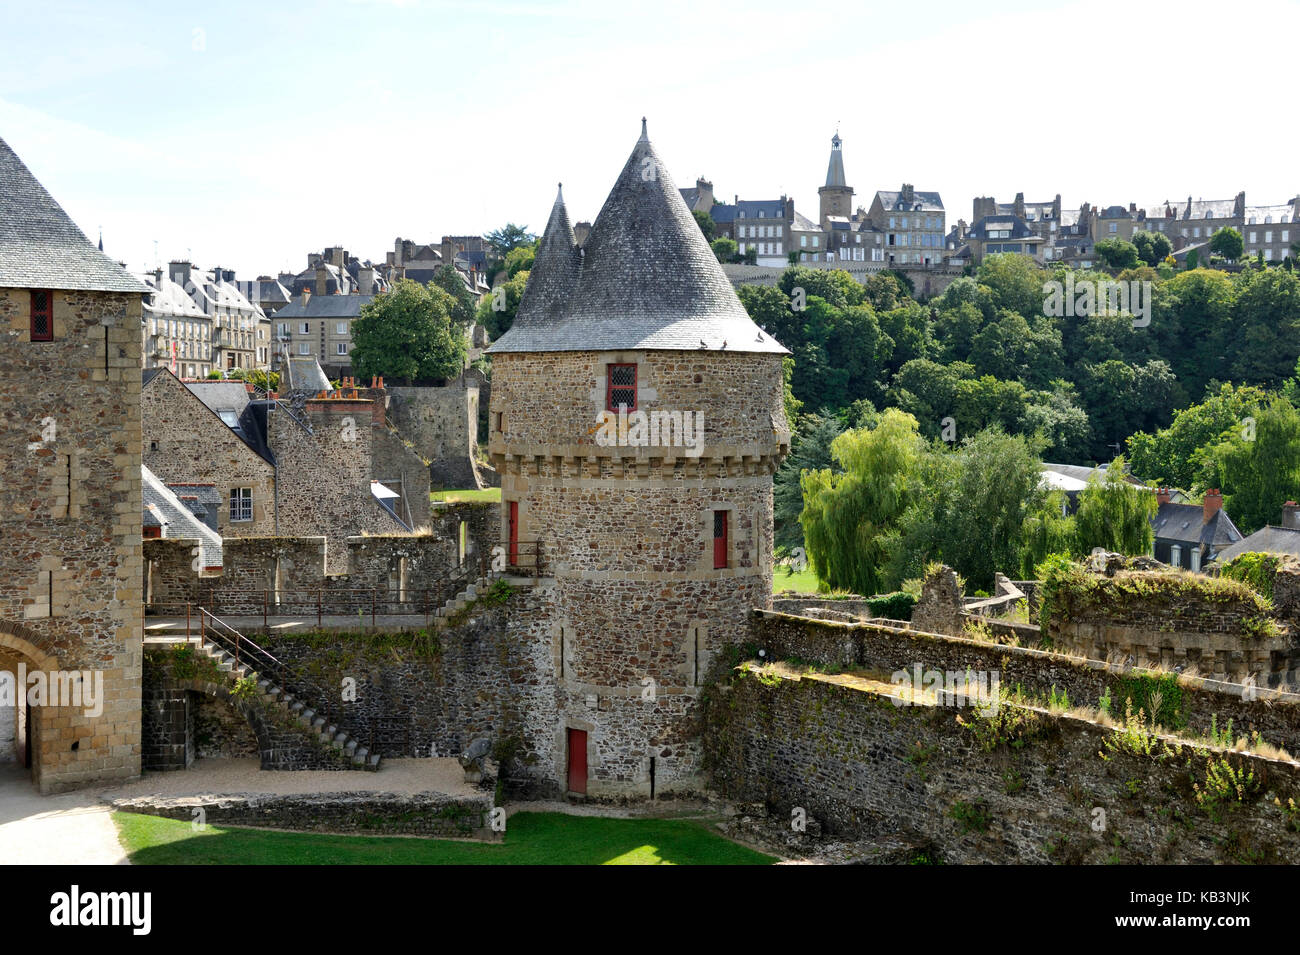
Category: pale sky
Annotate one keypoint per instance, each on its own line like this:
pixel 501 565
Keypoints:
pixel 249 134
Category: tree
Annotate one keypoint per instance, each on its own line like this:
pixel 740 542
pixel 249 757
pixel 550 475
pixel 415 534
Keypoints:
pixel 1258 468
pixel 509 237
pixel 1176 456
pixel 706 224
pixel 407 333
pixel 496 313
pixel 849 518
pixel 992 487
pixel 1227 242
pixel 811 452
pixel 724 249
pixel 1115 514
pixel 449 280
pixel 520 259
pixel 1152 247
pixel 1118 254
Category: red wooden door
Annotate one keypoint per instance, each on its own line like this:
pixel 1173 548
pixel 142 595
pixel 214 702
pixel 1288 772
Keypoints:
pixel 578 761
pixel 719 539
pixel 514 533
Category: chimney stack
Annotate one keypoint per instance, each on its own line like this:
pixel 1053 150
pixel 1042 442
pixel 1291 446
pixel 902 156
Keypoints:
pixel 322 280
pixel 366 280
pixel 1163 496
pixel 306 295
pixel 1213 502
pixel 1291 515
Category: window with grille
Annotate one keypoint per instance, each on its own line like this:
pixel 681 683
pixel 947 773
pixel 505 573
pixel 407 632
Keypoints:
pixel 42 315
pixel 621 391
pixel 241 504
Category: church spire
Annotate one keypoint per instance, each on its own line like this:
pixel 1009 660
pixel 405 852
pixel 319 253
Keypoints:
pixel 835 169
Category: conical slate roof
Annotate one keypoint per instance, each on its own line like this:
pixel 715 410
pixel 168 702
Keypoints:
pixel 645 279
pixel 554 273
pixel 40 247
pixel 835 168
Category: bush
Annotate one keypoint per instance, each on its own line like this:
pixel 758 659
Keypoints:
pixel 895 606
pixel 1254 569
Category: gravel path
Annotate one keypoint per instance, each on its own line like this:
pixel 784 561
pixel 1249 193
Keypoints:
pixel 404 776
pixel 67 829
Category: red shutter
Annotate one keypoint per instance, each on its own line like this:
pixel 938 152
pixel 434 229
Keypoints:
pixel 513 511
pixel 42 315
pixel 578 761
pixel 719 540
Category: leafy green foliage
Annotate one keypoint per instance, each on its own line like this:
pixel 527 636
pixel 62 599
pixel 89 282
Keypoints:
pixel 1114 514
pixel 1258 468
pixel 1118 254
pixel 509 237
pixel 1228 243
pixel 408 334
pixel 1255 569
pixel 1161 696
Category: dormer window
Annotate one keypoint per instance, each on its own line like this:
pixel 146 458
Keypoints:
pixel 42 315
pixel 620 388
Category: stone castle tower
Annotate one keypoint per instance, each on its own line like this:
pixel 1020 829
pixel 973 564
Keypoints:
pixel 836 196
pixel 70 591
pixel 636 419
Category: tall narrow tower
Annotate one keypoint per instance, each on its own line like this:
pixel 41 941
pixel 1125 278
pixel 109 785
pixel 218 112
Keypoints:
pixel 836 196
pixel 637 419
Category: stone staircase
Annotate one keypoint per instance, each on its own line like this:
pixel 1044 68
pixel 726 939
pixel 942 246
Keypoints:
pixel 340 749
pixel 446 613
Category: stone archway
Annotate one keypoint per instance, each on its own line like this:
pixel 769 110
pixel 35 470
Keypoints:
pixel 22 727
pixel 169 722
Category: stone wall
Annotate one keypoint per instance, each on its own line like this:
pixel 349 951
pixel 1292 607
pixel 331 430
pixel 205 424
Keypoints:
pixel 323 476
pixel 841 750
pixel 490 674
pixel 185 442
pixel 286 574
pixel 884 650
pixel 70 509
pixel 442 424
pixel 405 471
pixel 1179 620
pixel 360 813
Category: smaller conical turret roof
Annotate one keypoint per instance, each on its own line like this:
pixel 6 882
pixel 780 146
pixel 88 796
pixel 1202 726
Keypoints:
pixel 554 272
pixel 645 278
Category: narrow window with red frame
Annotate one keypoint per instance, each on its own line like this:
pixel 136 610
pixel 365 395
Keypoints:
pixel 42 315
pixel 620 391
pixel 719 540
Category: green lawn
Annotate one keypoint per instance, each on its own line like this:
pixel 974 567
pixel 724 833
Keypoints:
pixel 803 581
pixel 532 838
pixel 473 494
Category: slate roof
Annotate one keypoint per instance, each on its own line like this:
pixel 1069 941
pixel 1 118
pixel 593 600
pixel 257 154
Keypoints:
pixel 162 507
pixel 169 299
pixel 921 201
pixel 835 168
pixel 646 278
pixel 303 374
pixel 1278 213
pixel 220 396
pixel 1185 523
pixel 325 306
pixel 1019 230
pixel 1209 209
pixel 41 247
pixel 1267 540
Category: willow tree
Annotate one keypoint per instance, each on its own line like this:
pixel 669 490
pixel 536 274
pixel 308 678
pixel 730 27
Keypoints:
pixel 1115 514
pixel 850 518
